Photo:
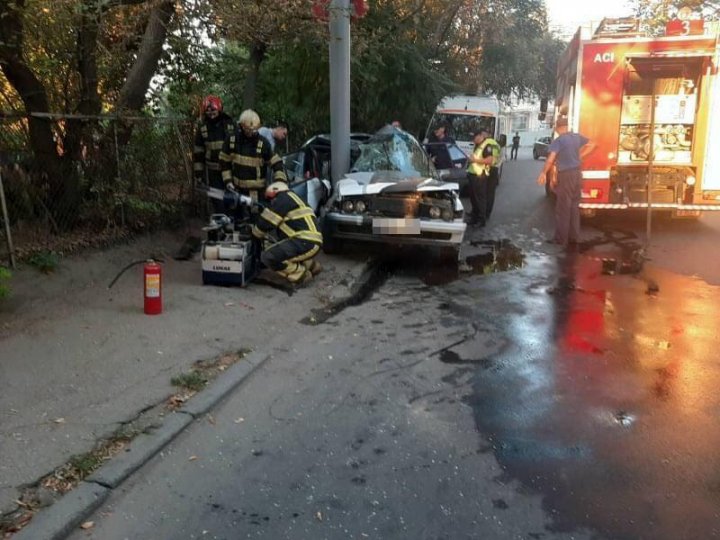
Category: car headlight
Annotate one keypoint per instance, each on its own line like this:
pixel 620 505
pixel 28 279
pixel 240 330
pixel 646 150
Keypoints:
pixel 360 207
pixel 348 206
pixel 690 180
pixel 447 214
pixel 435 212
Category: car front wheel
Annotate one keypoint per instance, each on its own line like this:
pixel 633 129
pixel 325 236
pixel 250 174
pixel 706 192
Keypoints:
pixel 535 154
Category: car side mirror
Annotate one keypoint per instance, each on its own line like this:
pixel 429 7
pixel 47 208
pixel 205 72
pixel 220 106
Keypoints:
pixel 502 140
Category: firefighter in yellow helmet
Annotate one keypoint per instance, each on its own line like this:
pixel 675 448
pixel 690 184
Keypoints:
pixel 246 157
pixel 296 229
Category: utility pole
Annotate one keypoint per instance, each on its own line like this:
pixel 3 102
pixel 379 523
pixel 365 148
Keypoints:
pixel 339 88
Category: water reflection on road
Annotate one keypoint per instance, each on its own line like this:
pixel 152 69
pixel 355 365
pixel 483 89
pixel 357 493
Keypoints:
pixel 606 401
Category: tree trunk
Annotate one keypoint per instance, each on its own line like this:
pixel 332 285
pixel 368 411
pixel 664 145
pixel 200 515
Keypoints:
pixel 258 50
pixel 63 195
pixel 132 94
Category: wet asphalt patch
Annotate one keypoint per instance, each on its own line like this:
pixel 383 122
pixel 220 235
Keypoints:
pixel 494 256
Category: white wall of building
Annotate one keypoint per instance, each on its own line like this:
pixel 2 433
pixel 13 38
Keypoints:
pixel 522 116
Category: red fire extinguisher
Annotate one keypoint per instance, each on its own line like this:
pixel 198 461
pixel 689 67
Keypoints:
pixel 152 273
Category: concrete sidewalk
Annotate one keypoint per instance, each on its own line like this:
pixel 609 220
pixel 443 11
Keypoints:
pixel 78 360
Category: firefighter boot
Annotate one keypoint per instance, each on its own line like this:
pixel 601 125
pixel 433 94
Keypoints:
pixel 295 273
pixel 313 266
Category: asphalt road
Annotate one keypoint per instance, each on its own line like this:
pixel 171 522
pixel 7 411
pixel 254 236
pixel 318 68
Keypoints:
pixel 561 396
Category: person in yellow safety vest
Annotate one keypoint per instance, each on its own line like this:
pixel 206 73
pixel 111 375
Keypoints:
pixel 482 174
pixel 298 238
pixel 246 157
pixel 210 134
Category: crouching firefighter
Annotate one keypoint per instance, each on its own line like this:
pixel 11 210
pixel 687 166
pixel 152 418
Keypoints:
pixel 295 227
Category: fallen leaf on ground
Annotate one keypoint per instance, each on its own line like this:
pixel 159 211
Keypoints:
pixel 59 420
pixel 239 420
pixel 192 458
pixel 87 525
pixel 211 419
pixel 319 516
pixel 228 304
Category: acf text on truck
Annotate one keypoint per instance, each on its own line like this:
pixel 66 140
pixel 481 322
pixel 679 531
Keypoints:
pixel 652 106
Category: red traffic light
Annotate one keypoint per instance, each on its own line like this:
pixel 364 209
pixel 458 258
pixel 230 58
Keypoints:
pixel 321 9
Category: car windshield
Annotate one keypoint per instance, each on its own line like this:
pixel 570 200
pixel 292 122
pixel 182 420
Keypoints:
pixel 462 126
pixel 394 151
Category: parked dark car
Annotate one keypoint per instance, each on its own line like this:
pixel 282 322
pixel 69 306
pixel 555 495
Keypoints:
pixel 540 148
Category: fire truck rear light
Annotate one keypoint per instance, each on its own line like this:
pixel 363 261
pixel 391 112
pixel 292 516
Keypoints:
pixel 591 193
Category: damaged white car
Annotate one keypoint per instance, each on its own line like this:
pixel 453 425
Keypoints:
pixel 394 195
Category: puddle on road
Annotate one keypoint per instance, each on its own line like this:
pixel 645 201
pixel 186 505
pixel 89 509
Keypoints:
pixel 497 256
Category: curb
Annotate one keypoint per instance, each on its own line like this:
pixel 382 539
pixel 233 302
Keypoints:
pixel 58 521
pixel 63 517
pixel 139 452
pixel 207 399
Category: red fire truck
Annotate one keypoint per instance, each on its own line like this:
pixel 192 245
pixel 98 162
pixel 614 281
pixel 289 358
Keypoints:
pixel 652 105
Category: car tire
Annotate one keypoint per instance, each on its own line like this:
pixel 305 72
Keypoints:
pixel 535 154
pixel 449 255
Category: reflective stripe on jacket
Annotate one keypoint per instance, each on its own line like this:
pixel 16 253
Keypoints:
pixel 291 217
pixel 489 147
pixel 209 138
pixel 245 160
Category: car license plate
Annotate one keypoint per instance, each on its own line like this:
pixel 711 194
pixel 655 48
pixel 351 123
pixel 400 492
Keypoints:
pixel 686 213
pixel 396 226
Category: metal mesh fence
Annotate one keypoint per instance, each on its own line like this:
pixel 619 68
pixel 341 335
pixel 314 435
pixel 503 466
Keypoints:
pixel 126 174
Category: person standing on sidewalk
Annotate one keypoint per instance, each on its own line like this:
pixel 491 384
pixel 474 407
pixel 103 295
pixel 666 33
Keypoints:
pixel 566 152
pixel 515 146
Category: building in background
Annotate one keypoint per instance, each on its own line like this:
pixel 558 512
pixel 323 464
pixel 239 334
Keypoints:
pixel 524 116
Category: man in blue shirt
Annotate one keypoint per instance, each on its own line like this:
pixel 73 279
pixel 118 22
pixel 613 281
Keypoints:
pixel 566 152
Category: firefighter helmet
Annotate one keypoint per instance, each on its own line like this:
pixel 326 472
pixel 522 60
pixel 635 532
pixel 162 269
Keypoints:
pixel 212 103
pixel 275 188
pixel 250 120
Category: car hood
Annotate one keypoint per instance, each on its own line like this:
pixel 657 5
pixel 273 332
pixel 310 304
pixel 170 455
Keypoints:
pixel 371 183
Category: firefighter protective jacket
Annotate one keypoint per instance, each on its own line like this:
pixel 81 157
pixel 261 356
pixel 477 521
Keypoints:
pixel 209 138
pixel 290 217
pixel 244 161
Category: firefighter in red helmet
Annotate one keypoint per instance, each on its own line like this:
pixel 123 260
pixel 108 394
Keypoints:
pixel 210 134
pixel 295 227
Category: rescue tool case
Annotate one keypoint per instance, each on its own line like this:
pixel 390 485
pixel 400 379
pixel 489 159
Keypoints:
pixel 229 262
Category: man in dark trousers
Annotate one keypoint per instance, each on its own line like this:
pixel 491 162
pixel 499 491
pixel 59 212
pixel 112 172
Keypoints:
pixel 515 146
pixel 482 176
pixel 566 152
pixel 210 133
